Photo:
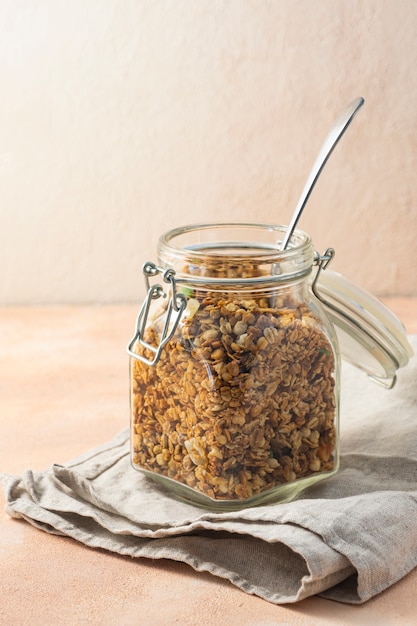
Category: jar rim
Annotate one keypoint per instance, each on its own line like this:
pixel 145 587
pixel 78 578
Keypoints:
pixel 298 240
pixel 237 241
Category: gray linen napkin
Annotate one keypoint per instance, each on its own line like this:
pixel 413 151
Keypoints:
pixel 347 538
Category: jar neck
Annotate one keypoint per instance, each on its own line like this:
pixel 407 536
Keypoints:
pixel 236 253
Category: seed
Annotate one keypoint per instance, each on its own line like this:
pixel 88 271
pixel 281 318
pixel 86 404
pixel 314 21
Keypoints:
pixel 238 419
pixel 256 410
pixel 239 328
pixel 271 334
pixel 271 388
pixel 272 463
pixel 261 343
pixel 209 335
pixel 217 354
pixel 315 465
pixel 225 327
pixel 233 368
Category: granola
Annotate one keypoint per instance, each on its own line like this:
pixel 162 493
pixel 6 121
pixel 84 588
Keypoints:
pixel 242 399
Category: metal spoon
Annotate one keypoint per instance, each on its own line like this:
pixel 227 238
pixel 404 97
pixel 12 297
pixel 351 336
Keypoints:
pixel 327 148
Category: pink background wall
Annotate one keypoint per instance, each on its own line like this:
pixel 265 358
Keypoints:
pixel 119 120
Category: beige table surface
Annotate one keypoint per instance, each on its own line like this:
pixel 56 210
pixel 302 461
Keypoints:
pixel 63 390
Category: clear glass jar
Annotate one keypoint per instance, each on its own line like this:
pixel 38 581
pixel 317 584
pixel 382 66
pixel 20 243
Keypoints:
pixel 235 378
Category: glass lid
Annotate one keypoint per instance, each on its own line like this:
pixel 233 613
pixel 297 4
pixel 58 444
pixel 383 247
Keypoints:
pixel 370 335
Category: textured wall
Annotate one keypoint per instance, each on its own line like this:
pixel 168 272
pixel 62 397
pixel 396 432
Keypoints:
pixel 121 119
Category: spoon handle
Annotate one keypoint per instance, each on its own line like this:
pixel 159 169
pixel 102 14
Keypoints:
pixel 327 148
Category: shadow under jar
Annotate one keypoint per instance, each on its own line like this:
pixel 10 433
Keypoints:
pixel 234 368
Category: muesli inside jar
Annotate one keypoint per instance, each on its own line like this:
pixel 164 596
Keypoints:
pixel 243 399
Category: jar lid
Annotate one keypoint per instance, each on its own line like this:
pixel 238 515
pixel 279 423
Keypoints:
pixel 370 335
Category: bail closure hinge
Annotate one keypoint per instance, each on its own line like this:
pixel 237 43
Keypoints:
pixel 176 306
pixel 322 260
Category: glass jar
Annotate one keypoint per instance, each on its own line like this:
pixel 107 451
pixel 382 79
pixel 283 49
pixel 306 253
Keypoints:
pixel 234 368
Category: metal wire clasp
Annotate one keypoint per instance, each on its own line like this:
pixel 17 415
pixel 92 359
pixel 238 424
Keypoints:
pixel 176 306
pixel 322 260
